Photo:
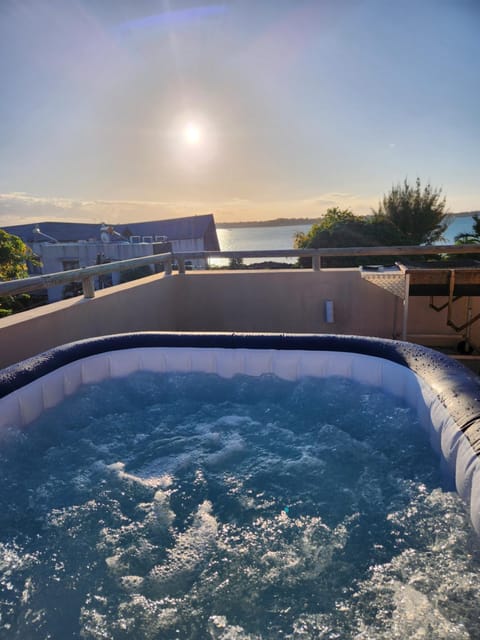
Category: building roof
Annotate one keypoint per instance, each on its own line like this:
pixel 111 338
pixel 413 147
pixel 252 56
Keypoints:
pixel 175 229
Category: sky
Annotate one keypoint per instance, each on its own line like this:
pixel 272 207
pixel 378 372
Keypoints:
pixel 249 109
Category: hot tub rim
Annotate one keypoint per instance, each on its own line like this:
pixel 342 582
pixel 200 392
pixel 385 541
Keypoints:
pixel 457 387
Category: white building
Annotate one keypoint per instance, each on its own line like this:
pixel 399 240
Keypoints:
pixel 62 246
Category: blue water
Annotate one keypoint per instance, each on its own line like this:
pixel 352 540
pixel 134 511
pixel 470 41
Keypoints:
pixel 188 506
pixel 259 238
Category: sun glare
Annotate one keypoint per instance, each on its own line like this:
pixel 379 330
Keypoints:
pixel 192 134
pixel 193 142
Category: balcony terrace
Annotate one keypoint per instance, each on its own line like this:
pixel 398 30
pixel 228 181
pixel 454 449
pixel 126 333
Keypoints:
pixel 316 300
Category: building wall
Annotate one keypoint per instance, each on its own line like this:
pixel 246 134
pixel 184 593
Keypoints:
pixel 188 244
pixel 250 301
pixel 191 244
pixel 54 256
pixel 141 305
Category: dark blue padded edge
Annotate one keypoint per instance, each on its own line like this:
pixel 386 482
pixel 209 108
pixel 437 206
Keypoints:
pixel 457 388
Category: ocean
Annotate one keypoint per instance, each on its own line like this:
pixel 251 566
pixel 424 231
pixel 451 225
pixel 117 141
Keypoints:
pixel 252 238
pixel 282 237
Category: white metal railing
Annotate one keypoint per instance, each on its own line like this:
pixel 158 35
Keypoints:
pixel 86 275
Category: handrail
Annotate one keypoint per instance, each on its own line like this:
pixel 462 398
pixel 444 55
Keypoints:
pixel 87 274
pixel 398 250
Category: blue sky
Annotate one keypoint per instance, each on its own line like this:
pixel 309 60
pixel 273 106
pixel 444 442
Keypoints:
pixel 115 110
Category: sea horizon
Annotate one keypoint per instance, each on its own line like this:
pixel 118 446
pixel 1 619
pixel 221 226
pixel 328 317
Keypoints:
pixel 266 237
pixel 292 221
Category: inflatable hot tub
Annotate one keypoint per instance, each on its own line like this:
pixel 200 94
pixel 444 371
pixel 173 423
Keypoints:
pixel 445 395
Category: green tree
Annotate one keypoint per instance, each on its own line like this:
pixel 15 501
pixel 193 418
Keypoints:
pixel 236 263
pixel 473 237
pixel 14 255
pixel 342 228
pixel 469 238
pixel 419 214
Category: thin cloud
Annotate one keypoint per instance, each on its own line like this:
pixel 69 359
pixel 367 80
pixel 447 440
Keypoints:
pixel 15 207
pixel 358 204
pixel 19 207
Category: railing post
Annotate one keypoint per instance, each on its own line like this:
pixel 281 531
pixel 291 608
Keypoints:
pixel 317 263
pixel 88 287
pixel 181 265
pixel 406 299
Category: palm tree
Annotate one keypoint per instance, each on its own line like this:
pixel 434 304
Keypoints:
pixel 473 237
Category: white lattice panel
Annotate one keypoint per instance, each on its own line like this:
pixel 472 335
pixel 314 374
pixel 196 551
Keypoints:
pixel 392 281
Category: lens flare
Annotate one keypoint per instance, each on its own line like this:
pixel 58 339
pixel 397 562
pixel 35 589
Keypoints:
pixel 192 134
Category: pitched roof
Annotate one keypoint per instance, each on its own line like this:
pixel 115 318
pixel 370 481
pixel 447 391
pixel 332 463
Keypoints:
pixel 175 229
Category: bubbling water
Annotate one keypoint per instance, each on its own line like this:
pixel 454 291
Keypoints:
pixel 189 506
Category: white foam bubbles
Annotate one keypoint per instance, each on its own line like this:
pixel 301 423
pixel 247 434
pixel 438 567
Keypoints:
pixel 255 519
pixel 161 515
pixel 190 551
pixel 415 616
pixel 150 481
pixel 219 629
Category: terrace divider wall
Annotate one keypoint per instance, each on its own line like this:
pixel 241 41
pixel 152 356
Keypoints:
pixel 244 301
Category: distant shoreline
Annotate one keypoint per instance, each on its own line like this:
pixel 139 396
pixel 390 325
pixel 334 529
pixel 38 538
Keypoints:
pixel 291 222
pixel 278 222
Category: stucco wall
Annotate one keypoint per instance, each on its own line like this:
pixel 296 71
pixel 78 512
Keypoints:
pixel 284 300
pixel 248 301
pixel 294 301
pixel 141 305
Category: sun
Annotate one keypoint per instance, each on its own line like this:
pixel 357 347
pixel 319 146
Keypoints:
pixel 192 134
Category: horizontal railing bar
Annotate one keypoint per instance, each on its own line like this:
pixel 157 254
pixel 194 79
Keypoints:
pixel 14 287
pixel 339 251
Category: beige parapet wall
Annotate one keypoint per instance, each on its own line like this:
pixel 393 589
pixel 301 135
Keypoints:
pixel 141 305
pixel 243 301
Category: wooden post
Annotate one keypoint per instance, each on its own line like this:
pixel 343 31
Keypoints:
pixel 317 263
pixel 88 287
pixel 406 296
pixel 451 291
